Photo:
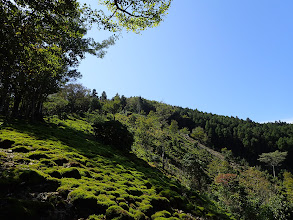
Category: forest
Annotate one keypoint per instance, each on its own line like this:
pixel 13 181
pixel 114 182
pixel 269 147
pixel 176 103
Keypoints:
pixel 68 152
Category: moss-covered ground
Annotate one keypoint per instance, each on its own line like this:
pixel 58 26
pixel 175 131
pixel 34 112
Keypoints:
pixel 57 170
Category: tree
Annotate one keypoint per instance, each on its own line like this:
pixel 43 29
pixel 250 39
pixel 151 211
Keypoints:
pixel 137 15
pixel 94 93
pixel 199 134
pixel 78 97
pixel 103 96
pixel 273 159
pixel 72 98
pixel 174 126
pixel 113 133
pixel 43 42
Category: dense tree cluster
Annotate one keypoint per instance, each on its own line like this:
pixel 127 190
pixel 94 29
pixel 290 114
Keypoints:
pixel 43 42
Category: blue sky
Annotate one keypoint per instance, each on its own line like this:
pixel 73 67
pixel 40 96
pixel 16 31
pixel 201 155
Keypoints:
pixel 232 58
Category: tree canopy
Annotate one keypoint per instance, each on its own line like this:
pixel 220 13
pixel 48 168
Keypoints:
pixel 273 159
pixel 44 41
pixel 137 15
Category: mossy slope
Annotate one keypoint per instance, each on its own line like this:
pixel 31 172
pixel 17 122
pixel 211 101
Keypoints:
pixel 57 170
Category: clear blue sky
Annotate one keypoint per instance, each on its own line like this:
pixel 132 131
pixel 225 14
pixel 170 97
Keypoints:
pixel 228 57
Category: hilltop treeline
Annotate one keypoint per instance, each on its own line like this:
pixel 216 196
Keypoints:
pixel 215 155
pixel 245 138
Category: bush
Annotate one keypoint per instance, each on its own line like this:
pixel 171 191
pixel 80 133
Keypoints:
pixel 113 133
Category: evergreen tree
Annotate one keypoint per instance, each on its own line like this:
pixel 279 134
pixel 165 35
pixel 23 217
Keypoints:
pixel 103 96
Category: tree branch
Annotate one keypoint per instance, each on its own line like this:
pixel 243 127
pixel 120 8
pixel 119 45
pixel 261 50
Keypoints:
pixel 126 12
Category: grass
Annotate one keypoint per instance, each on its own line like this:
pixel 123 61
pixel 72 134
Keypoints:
pixel 59 167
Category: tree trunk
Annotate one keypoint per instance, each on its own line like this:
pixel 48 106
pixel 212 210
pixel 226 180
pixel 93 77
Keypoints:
pixel 15 110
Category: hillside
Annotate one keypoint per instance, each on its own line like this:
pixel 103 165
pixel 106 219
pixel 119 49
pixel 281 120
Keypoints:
pixel 131 158
pixel 57 170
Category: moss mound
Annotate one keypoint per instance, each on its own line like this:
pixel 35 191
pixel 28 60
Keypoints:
pixel 64 173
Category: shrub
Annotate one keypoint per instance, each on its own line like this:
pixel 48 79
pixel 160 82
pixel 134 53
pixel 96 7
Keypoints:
pixel 113 133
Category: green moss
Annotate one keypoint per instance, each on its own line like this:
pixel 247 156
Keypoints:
pixel 96 177
pixel 146 209
pixel 85 202
pixel 175 199
pixel 160 203
pixel 134 191
pixel 38 155
pixel 163 213
pixel 140 216
pixel 23 160
pixel 21 149
pixel 96 217
pixel 55 174
pixel 70 173
pixel 117 213
pixel 124 205
pixel 60 161
pixel 48 162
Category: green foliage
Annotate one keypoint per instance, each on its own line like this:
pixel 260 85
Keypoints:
pixel 39 54
pixel 106 177
pixel 199 134
pixel 174 126
pixel 113 133
pixel 273 159
pixel 136 15
pixel 41 49
pixel 288 184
